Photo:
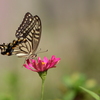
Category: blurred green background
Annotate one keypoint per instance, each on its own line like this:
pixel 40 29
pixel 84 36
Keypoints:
pixel 70 30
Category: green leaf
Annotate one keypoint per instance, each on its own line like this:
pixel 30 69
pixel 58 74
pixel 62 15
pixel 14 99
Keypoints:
pixel 91 93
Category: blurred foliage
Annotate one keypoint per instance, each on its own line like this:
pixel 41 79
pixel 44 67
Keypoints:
pixel 5 97
pixel 71 90
pixel 12 80
pixel 97 97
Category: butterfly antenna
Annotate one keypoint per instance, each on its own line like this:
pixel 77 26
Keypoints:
pixel 41 51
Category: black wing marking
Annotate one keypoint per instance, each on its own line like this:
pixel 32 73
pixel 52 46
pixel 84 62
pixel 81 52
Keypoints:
pixel 29 22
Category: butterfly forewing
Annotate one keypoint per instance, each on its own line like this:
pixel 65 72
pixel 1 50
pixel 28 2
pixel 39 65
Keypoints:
pixel 23 29
pixel 28 24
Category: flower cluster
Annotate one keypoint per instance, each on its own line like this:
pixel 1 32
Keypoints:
pixel 41 65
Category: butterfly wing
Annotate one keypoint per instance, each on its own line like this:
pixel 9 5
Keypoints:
pixel 7 49
pixel 28 38
pixel 30 32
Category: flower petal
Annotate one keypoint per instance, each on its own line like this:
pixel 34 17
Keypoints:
pixel 45 59
pixel 41 65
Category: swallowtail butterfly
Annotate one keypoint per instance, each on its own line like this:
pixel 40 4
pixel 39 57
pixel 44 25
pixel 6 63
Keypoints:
pixel 28 37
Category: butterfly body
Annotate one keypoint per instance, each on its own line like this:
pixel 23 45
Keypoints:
pixel 28 37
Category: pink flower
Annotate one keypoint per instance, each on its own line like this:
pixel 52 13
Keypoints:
pixel 41 65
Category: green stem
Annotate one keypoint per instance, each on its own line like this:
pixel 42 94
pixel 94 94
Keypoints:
pixel 43 77
pixel 42 89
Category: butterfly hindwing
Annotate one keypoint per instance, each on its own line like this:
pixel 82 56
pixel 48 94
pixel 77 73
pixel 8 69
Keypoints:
pixel 7 49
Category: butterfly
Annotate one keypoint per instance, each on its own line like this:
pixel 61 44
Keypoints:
pixel 28 37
